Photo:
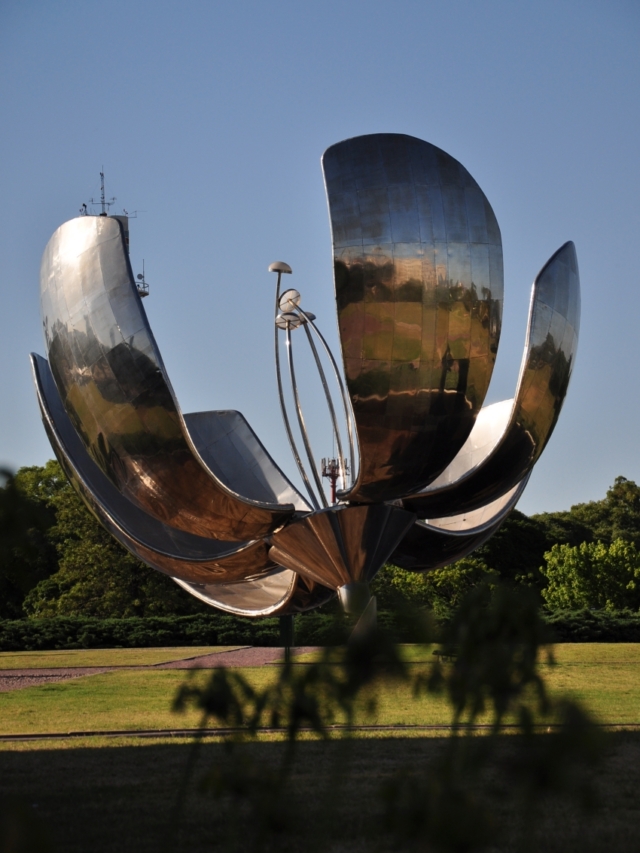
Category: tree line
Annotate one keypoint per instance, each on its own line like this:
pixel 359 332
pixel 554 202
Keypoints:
pixel 57 560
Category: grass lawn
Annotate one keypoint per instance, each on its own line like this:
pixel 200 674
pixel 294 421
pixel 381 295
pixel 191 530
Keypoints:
pixel 604 677
pixel 104 795
pixel 104 657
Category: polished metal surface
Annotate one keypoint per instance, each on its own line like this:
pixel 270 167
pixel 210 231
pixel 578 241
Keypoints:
pixel 329 400
pixel 301 424
pixel 280 267
pixel 509 437
pixel 214 571
pixel 437 542
pixel 265 596
pixel 346 402
pixel 419 286
pixel 164 548
pixel 279 593
pixel 288 321
pixel 354 597
pixel 418 279
pixel 237 457
pixel 289 301
pixel 342 544
pixel 114 388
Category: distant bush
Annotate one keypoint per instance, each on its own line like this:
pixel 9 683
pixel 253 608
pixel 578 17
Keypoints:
pixel 595 626
pixel 313 629
pixel 74 632
pixel 213 629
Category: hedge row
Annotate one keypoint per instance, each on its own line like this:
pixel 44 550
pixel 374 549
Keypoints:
pixel 595 626
pixel 215 629
pixel 218 629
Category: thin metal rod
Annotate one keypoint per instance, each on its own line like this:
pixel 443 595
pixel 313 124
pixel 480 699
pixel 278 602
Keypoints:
pixel 301 424
pixel 327 394
pixel 283 409
pixel 348 415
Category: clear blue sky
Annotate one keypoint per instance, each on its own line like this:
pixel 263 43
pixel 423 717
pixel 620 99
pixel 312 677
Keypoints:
pixel 211 117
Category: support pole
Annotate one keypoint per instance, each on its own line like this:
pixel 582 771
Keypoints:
pixel 286 635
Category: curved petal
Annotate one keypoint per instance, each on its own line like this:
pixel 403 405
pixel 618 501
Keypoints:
pixel 114 387
pixel 419 289
pixel 235 454
pixel 438 542
pixel 501 450
pixel 275 594
pixel 171 551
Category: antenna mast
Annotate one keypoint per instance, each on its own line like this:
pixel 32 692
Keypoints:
pixel 104 204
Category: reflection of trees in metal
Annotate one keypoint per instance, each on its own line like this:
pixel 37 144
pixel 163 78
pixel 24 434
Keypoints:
pixel 419 283
pixel 500 452
pixel 414 245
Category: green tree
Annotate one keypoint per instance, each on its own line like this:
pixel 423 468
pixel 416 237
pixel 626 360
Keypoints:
pixel 616 516
pixel 26 554
pixel 77 567
pixel 593 575
pixel 517 549
pixel 441 590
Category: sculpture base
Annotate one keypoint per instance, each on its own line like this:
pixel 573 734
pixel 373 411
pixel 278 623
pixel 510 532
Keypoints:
pixel 354 597
pixel 367 623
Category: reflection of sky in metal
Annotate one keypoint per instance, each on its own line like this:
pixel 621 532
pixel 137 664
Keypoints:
pixel 419 287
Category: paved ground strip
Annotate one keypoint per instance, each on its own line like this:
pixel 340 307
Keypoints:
pixel 16 679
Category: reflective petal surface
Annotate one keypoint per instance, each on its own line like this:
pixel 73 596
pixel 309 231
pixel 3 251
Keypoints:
pixel 171 551
pixel 234 453
pixel 114 387
pixel 419 289
pixel 278 593
pixel 509 437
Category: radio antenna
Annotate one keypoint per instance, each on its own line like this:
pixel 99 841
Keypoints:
pixel 104 204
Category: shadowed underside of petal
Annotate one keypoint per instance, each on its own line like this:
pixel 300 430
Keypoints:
pixel 419 290
pixel 114 387
pixel 437 542
pixel 509 437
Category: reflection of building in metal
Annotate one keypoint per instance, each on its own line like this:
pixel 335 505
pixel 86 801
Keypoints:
pixel 425 473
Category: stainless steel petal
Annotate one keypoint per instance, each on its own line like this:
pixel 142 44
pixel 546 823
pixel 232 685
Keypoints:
pixel 115 389
pixel 236 456
pixel 277 593
pixel 438 542
pixel 419 289
pixel 164 548
pixel 509 437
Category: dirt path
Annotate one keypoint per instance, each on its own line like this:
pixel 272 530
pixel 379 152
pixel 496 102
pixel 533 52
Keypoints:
pixel 16 679
pixel 251 656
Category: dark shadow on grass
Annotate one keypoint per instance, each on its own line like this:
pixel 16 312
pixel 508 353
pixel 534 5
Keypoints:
pixel 120 797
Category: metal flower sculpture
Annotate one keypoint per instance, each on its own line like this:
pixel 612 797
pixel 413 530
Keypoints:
pixel 419 288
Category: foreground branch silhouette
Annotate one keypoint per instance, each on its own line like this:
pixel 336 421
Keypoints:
pixel 494 645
